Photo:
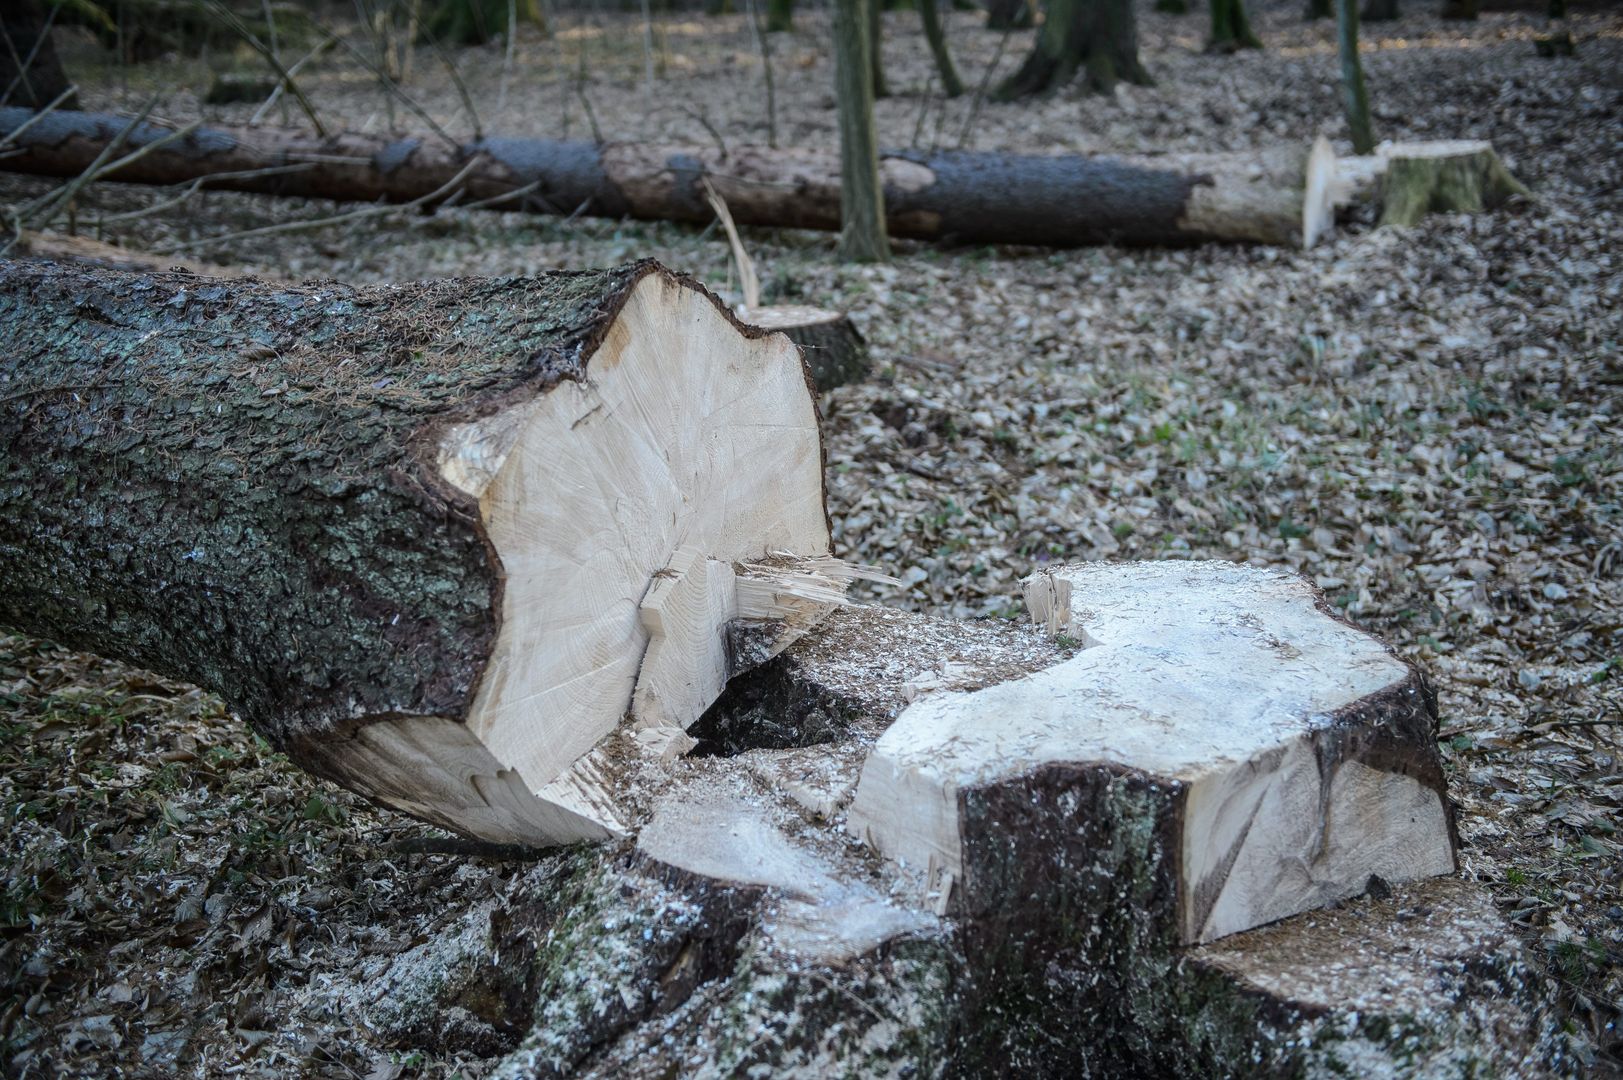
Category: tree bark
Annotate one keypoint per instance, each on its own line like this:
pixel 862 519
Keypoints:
pixel 1354 97
pixel 1379 11
pixel 1097 38
pixel 951 84
pixel 954 196
pixel 1318 9
pixel 1231 28
pixel 31 76
pixel 409 532
pixel 780 16
pixel 1461 9
pixel 862 199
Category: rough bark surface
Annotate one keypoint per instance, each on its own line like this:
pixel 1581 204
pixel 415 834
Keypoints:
pixel 952 196
pixel 858 80
pixel 244 485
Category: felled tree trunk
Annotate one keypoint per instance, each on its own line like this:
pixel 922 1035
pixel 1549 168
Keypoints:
pixel 31 76
pixel 962 197
pixel 413 533
pixel 1096 38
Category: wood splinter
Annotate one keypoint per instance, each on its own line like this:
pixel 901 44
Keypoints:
pixel 694 611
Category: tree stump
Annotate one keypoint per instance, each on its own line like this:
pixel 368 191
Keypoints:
pixel 834 350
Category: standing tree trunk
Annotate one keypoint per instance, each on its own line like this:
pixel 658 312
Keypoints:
pixel 1096 37
pixel 31 76
pixel 1354 98
pixel 1318 9
pixel 1172 7
pixel 872 12
pixel 780 16
pixel 1231 29
pixel 1379 11
pixel 1009 15
pixel 951 84
pixel 1461 9
pixel 862 200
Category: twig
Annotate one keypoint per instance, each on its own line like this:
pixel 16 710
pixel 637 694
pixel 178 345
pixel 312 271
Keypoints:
pixel 748 283
pixel 276 94
pixel 766 68
pixel 354 215
pixel 54 199
pixel 229 17
pixel 580 92
pixel 195 185
pixel 704 122
pixel 461 87
pixel 648 47
pixel 393 87
pixel 24 65
pixel 56 103
pixel 980 91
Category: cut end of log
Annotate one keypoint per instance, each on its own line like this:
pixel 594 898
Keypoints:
pixel 1318 206
pixel 1288 754
pixel 835 352
pixel 618 505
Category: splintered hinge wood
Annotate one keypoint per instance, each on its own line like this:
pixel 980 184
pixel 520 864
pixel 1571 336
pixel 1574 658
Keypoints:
pixel 687 609
pixel 1048 600
pixel 786 586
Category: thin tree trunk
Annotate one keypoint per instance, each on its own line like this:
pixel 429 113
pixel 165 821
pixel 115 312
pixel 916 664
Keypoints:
pixel 1461 9
pixel 1354 97
pixel 31 75
pixel 873 12
pixel 862 200
pixel 1231 28
pixel 780 16
pixel 1379 11
pixel 1098 38
pixel 951 84
pixel 1319 9
pixel 1172 7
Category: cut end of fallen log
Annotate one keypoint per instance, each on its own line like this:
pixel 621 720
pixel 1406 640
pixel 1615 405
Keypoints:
pixel 1286 755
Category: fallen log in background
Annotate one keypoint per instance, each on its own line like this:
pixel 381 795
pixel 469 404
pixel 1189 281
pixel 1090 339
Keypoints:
pixel 408 531
pixel 1275 197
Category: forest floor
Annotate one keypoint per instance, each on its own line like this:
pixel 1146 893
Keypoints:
pixel 1424 421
